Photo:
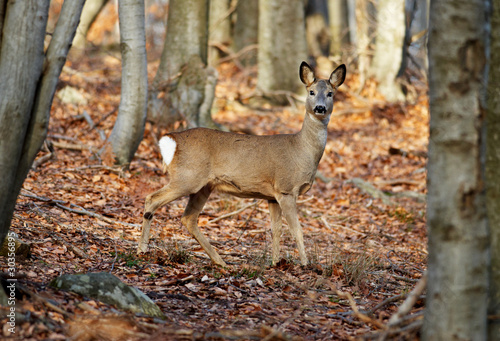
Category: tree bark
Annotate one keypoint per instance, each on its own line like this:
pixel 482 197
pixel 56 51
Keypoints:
pixel 493 172
pixel 338 22
pixel 282 46
pixel 21 61
pixel 389 43
pixel 457 294
pixel 90 12
pixel 128 130
pixel 219 32
pixel 246 30
pixel 182 78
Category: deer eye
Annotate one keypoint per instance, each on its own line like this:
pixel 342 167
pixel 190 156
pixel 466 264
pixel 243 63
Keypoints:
pixel 330 94
pixel 311 93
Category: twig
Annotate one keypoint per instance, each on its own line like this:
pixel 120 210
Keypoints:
pixel 234 212
pixel 238 54
pixel 41 160
pixel 386 302
pixel 357 313
pixel 409 302
pixel 117 170
pixel 70 246
pixel 72 146
pixel 83 211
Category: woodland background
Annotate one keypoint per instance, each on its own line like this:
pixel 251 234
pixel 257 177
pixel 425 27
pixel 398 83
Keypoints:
pixel 80 205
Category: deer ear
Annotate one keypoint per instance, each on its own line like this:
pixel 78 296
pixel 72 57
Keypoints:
pixel 306 74
pixel 338 76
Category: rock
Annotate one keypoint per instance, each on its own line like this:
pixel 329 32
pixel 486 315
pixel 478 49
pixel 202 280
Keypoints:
pixel 108 288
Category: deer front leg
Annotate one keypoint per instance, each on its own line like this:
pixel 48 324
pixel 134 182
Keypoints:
pixel 190 220
pixel 289 206
pixel 153 202
pixel 276 229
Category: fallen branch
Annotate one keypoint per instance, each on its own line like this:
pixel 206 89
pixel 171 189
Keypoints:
pixel 83 211
pixel 73 146
pixel 409 302
pixel 369 189
pixel 364 318
pixel 80 210
pixel 234 212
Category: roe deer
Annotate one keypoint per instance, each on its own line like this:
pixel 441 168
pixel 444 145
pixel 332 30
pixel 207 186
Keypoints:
pixel 277 168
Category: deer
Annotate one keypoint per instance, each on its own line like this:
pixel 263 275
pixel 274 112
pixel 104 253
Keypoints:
pixel 277 168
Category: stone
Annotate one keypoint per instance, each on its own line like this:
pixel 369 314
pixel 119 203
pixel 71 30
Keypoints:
pixel 108 289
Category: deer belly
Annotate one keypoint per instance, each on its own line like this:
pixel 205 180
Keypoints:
pixel 261 190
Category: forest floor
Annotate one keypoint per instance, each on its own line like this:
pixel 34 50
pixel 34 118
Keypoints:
pixel 363 221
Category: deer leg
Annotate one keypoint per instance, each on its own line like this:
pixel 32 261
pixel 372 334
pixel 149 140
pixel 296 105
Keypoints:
pixel 190 220
pixel 153 202
pixel 289 206
pixel 276 224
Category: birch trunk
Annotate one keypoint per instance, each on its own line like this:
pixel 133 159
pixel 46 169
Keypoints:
pixel 128 130
pixel 457 294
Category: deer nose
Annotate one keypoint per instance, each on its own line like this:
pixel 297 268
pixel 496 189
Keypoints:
pixel 320 109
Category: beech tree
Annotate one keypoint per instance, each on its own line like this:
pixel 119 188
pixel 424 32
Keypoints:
pixel 282 46
pixel 389 43
pixel 128 129
pixel 184 85
pixel 27 86
pixel 493 172
pixel 458 287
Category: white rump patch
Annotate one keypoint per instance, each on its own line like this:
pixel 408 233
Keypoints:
pixel 167 149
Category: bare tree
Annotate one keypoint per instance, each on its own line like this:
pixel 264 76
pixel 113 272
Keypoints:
pixel 457 294
pixel 246 31
pixel 219 32
pixel 29 79
pixel 129 126
pixel 389 43
pixel 282 45
pixel 184 86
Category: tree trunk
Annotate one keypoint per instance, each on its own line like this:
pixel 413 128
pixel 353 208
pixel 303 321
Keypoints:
pixel 219 30
pixel 317 35
pixel 493 172
pixel 389 44
pixel 362 41
pixel 27 88
pixel 282 46
pixel 338 24
pixel 246 30
pixel 457 294
pixel 91 10
pixel 180 85
pixel 129 126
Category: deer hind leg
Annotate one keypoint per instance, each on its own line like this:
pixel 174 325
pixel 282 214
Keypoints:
pixel 289 206
pixel 190 220
pixel 276 229
pixel 153 202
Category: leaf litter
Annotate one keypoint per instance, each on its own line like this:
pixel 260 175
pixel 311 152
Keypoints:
pixel 366 254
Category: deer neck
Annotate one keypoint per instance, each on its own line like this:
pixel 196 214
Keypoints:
pixel 313 135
